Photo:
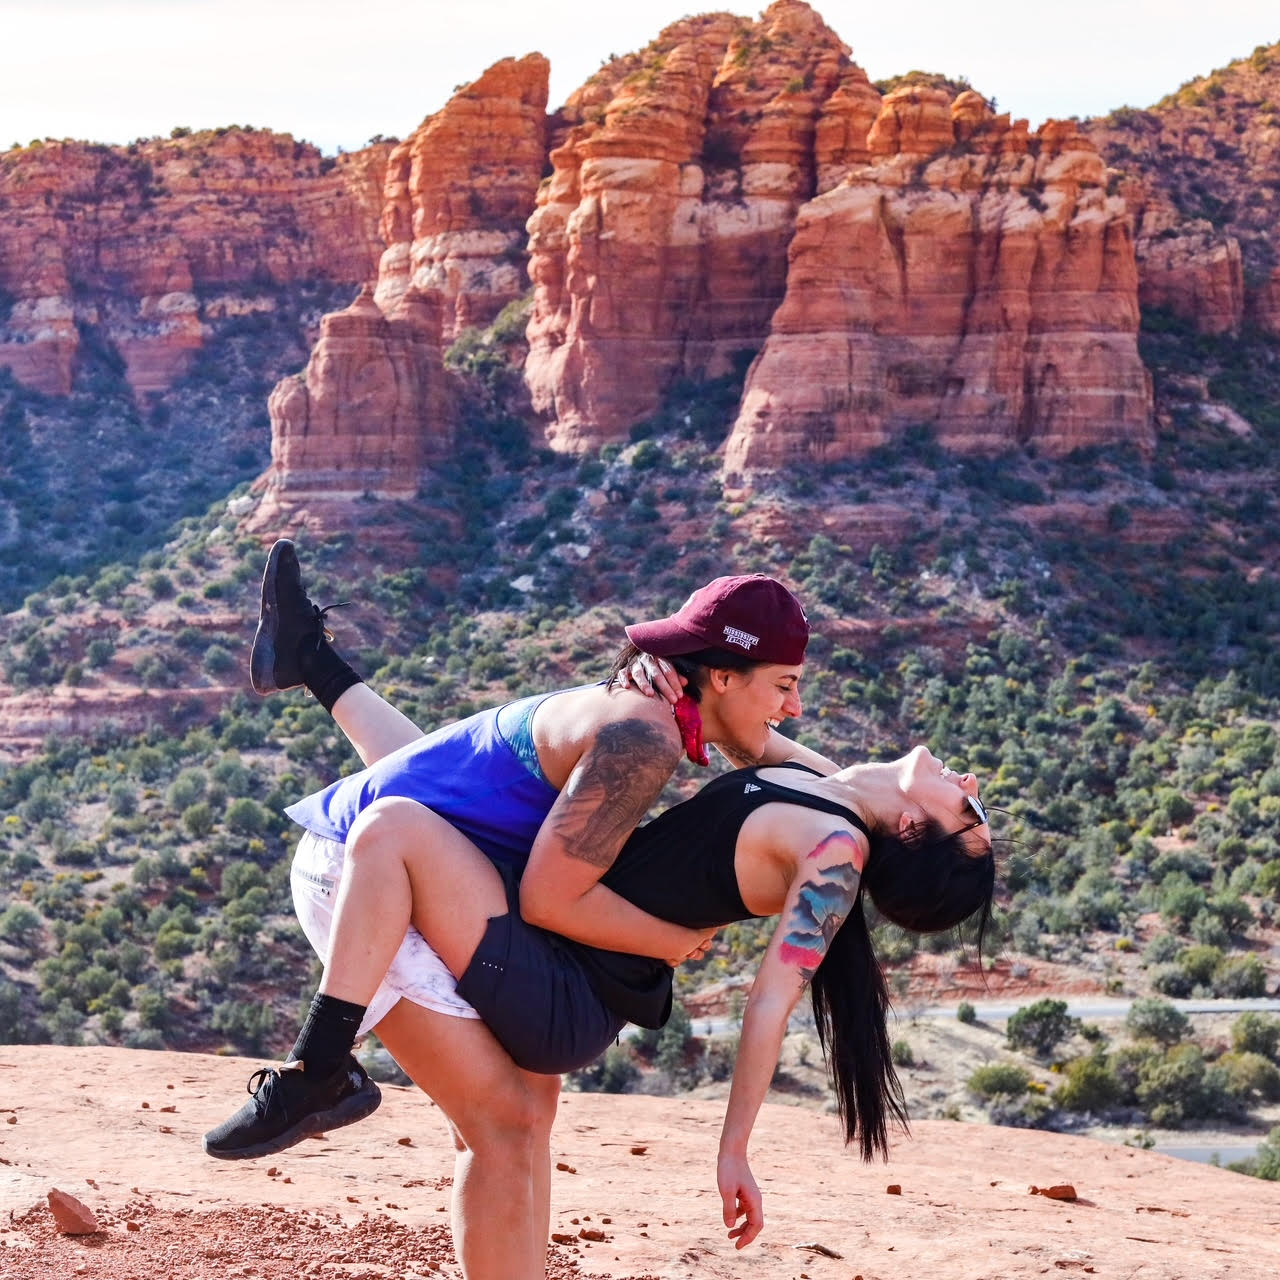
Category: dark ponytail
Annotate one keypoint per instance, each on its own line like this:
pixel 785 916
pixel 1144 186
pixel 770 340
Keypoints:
pixel 928 886
pixel 850 1007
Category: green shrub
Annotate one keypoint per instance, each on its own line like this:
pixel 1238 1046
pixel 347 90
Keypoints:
pixel 1267 1161
pixel 247 817
pixel 1157 1020
pixel 1180 900
pixel 218 660
pixel 615 1072
pixel 1171 980
pixel 1162 948
pixel 966 1013
pixel 198 819
pixel 1256 1033
pixel 1240 978
pixel 188 787
pixel 1040 1027
pixel 999 1078
pixel 1199 962
pixel 246 1023
pixel 1180 1087
pixel 1251 1077
pixel 1090 1085
pixel 902 1053
pixel 21 926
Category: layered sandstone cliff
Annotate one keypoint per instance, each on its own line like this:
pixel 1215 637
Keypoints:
pixel 145 247
pixel 658 249
pixel 973 278
pixel 459 191
pixel 371 411
pixel 1201 170
pixel 374 409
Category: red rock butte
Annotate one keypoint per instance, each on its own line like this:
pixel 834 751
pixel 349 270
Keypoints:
pixel 972 279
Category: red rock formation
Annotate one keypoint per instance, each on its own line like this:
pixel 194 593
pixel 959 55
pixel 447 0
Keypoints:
pixel 658 249
pixel 459 192
pixel 148 243
pixel 372 409
pixel 977 281
pixel 1185 265
pixel 1200 168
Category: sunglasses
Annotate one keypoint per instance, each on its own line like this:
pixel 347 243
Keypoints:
pixel 979 810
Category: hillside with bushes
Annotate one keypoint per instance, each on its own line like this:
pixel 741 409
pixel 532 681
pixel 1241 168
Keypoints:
pixel 1095 635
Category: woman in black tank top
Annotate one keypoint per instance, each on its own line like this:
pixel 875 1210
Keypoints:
pixel 787 841
pixel 781 840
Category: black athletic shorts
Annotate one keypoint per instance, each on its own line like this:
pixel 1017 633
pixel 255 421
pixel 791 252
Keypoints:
pixel 534 995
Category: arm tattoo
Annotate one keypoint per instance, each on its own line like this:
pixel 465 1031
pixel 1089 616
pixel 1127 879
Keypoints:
pixel 824 901
pixel 608 794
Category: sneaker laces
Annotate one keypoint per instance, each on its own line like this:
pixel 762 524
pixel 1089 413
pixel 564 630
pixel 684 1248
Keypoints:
pixel 322 631
pixel 267 1089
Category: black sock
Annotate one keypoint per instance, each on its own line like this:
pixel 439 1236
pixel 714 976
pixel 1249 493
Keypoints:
pixel 327 1035
pixel 326 674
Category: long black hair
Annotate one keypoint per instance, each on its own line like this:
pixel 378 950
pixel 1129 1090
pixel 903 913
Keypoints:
pixel 928 885
pixel 693 666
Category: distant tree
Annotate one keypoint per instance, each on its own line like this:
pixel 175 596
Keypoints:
pixel 999 1078
pixel 21 926
pixel 1040 1027
pixel 246 817
pixel 1256 1033
pixel 1157 1020
pixel 1090 1085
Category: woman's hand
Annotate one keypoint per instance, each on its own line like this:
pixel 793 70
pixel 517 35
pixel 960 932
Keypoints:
pixel 650 676
pixel 741 1199
pixel 701 944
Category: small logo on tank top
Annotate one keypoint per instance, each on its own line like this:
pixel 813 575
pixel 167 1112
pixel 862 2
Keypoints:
pixel 751 786
pixel 744 639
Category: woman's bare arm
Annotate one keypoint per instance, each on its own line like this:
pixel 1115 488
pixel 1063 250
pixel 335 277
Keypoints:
pixel 820 897
pixel 621 773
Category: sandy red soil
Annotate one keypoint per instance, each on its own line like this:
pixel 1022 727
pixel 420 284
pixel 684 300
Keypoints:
pixel 120 1131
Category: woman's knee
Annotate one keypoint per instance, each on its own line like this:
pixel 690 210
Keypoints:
pixel 517 1115
pixel 385 831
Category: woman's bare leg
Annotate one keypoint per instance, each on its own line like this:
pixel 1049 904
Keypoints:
pixel 501 1118
pixel 406 864
pixel 372 725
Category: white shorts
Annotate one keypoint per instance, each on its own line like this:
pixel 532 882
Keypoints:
pixel 416 972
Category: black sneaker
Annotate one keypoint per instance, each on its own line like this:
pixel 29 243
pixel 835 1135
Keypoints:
pixel 286 621
pixel 288 1106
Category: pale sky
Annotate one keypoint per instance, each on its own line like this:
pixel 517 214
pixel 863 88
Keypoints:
pixel 336 72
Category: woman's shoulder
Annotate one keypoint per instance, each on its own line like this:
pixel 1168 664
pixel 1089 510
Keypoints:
pixel 620 719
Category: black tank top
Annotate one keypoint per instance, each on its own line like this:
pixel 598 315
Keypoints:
pixel 680 867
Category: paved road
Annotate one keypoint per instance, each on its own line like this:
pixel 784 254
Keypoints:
pixel 1089 1008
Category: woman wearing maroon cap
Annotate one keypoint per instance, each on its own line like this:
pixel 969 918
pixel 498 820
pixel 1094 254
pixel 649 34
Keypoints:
pixel 546 790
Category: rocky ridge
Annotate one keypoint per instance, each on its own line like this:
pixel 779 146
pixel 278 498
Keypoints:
pixel 736 192
pixel 1200 171
pixel 658 248
pixel 143 249
pixel 741 185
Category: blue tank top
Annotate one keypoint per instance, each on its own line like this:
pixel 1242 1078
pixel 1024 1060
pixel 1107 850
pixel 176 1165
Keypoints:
pixel 481 774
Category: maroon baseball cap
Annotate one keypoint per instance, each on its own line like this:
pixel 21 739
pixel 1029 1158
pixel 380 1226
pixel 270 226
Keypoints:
pixel 754 614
